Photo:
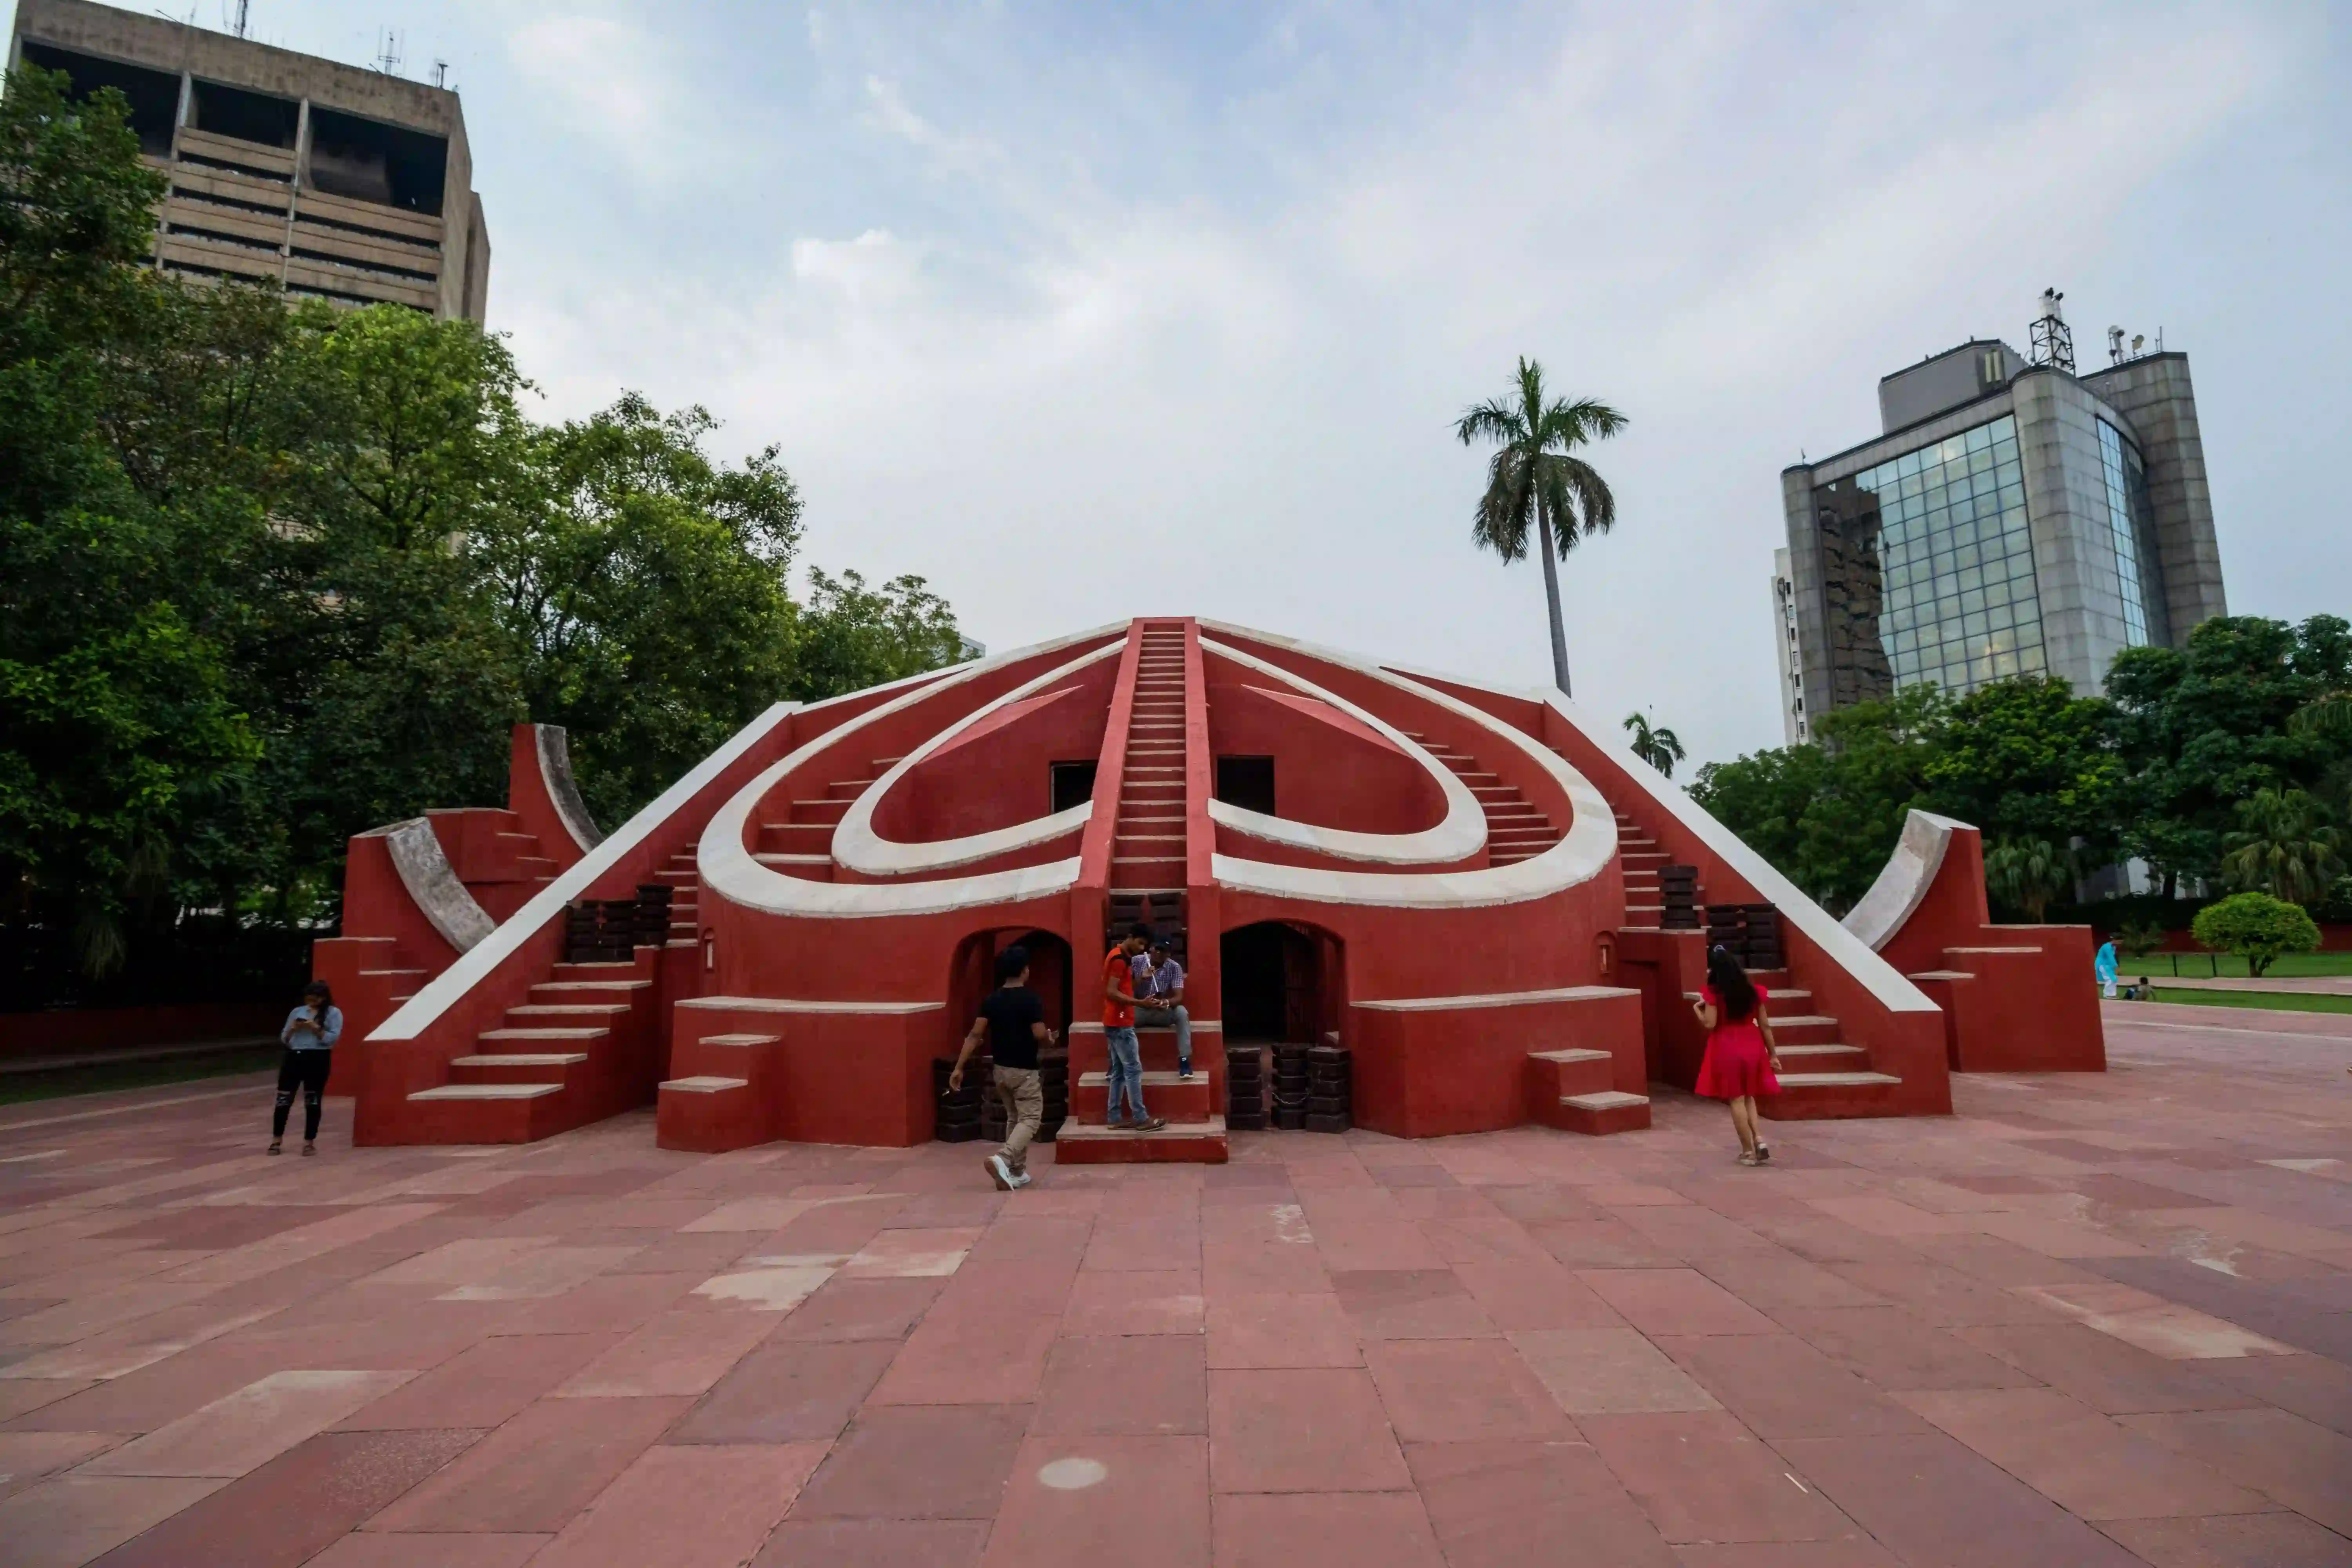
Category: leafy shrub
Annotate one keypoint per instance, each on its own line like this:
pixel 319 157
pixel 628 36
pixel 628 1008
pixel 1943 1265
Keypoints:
pixel 2256 927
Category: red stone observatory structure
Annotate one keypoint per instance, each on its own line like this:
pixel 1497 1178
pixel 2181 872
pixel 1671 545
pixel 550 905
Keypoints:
pixel 1461 884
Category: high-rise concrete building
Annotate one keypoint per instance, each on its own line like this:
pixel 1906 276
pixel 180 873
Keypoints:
pixel 351 185
pixel 1789 651
pixel 2014 517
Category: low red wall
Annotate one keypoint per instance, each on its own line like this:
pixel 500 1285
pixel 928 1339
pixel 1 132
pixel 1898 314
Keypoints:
pixel 120 1028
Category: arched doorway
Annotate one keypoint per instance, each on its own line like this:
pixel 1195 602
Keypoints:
pixel 1279 982
pixel 973 973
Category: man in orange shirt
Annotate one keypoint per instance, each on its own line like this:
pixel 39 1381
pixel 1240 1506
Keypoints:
pixel 1118 1032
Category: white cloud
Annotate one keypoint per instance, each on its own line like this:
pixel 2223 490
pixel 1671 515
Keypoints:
pixel 616 85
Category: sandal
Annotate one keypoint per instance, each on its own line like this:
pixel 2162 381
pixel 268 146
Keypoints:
pixel 277 1146
pixel 310 1149
pixel 1749 1157
pixel 1152 1125
pixel 1763 1153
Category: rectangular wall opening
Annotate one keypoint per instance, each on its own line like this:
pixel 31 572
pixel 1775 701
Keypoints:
pixel 1072 784
pixel 365 160
pixel 254 117
pixel 1246 781
pixel 154 95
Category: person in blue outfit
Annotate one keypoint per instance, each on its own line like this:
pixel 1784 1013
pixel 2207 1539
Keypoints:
pixel 309 1036
pixel 1159 999
pixel 2104 965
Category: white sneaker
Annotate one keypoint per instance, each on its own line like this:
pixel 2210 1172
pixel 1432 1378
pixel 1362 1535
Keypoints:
pixel 1000 1172
pixel 1022 1179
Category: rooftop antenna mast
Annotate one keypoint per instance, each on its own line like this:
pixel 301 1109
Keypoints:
pixel 238 16
pixel 2051 342
pixel 387 51
pixel 441 73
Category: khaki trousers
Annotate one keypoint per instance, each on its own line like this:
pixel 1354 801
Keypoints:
pixel 1024 1107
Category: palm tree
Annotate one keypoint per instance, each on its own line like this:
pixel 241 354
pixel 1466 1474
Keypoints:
pixel 2028 873
pixel 2329 715
pixel 1661 748
pixel 2283 848
pixel 1537 477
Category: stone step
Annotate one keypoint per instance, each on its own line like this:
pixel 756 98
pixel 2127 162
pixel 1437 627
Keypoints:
pixel 1179 1142
pixel 1603 1112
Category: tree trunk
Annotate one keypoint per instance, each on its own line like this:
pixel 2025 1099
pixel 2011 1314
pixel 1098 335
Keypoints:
pixel 1551 597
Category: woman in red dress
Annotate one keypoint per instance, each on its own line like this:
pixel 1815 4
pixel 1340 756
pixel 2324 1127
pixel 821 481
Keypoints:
pixel 1742 1058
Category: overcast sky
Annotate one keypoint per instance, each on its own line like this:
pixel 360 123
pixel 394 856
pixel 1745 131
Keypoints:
pixel 1085 310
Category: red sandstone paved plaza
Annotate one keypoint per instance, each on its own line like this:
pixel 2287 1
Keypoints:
pixel 2092 1319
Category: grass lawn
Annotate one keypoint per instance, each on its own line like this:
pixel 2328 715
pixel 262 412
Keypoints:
pixel 2220 965
pixel 2273 1001
pixel 16 1088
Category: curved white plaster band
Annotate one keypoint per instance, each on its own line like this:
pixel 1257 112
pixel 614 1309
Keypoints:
pixel 555 772
pixel 1461 834
pixel 857 846
pixel 1843 948
pixel 441 993
pixel 729 870
pixel 1582 852
pixel 1903 881
pixel 425 870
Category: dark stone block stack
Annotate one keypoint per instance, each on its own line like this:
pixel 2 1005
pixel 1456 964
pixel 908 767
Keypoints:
pixel 1246 1088
pixel 963 1113
pixel 1752 932
pixel 610 930
pixel 1330 1089
pixel 1162 910
pixel 1290 1090
pixel 1678 891
pixel 1054 1085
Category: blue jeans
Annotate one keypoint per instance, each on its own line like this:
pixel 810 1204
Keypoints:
pixel 1126 1072
pixel 1176 1018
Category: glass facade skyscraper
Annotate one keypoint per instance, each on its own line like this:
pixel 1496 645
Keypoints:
pixel 1929 554
pixel 2132 526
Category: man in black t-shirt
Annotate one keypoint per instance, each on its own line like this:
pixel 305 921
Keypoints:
pixel 1013 1021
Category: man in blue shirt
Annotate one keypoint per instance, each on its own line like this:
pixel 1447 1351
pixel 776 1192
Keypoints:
pixel 1159 999
pixel 309 1036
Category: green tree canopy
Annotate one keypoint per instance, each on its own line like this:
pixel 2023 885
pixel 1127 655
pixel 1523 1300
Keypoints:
pixel 2256 927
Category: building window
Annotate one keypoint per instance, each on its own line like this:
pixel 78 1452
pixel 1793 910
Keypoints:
pixel 1927 569
pixel 2131 525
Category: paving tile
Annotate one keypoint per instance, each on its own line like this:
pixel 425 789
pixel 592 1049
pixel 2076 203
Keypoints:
pixel 873 1543
pixel 1888 1346
pixel 2304 1467
pixel 1300 1431
pixel 71 1520
pixel 2162 1327
pixel 1783 1387
pixel 1603 1372
pixel 20 1395
pixel 2111 1375
pixel 1702 1476
pixel 2243 1540
pixel 1410 1303
pixel 1246 1332
pixel 862 1309
pixel 1534 1296
pixel 918 1462
pixel 249 1428
pixel 1770 1281
pixel 1263 1268
pixel 1134 1302
pixel 977 1355
pixel 1946 1297
pixel 788 1391
pixel 1934 1503
pixel 1675 1301
pixel 1148 1386
pixel 292 1507
pixel 687 1507
pixel 1151 1242
pixel 912 1252
pixel 2317 1388
pixel 1603 1243
pixel 483 1386
pixel 2079 1458
pixel 1454 1390
pixel 1099 1500
pixel 531 1475
pixel 682 1352
pixel 615 1303
pixel 1388 1245
pixel 1856 1554
pixel 1381 1529
pixel 366 1551
pixel 28 1457
pixel 1510 1503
